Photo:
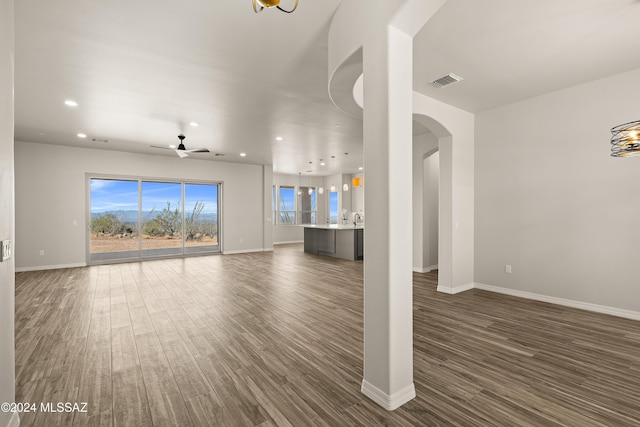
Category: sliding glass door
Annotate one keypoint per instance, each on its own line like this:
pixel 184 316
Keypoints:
pixel 161 218
pixel 114 230
pixel 201 218
pixel 136 218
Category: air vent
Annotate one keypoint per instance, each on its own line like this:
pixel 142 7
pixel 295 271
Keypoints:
pixel 100 140
pixel 446 80
pixel 219 155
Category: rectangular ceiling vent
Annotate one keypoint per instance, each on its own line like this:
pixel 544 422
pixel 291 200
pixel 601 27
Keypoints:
pixel 446 80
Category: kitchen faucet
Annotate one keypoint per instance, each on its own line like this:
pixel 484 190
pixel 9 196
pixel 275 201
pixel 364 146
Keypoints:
pixel 356 217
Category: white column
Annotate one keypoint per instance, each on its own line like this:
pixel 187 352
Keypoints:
pixel 7 212
pixel 388 297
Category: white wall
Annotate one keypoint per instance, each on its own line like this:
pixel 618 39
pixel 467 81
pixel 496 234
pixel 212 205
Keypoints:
pixel 431 176
pixel 50 195
pixel 7 213
pixel 357 193
pixel 551 202
pixel 267 183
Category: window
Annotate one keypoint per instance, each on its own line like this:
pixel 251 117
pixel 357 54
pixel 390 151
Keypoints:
pixel 134 218
pixel 307 205
pixel 333 207
pixel 287 205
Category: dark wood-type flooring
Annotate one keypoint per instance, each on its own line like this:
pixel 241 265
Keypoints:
pixel 276 339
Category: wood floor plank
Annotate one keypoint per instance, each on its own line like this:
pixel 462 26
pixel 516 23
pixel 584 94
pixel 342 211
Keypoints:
pixel 130 404
pixel 276 339
pixel 124 353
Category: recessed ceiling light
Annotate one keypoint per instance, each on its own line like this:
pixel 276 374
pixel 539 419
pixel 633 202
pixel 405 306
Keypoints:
pixel 321 163
pixel 279 138
pixel 243 154
pixel 82 135
pixel 194 124
pixel 360 168
pixel 70 103
pixel 172 146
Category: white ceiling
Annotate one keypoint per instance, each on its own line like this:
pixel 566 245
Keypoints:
pixel 509 50
pixel 142 70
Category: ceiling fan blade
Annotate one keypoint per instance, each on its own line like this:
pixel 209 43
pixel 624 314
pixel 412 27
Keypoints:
pixel 198 150
pixel 182 153
pixel 164 148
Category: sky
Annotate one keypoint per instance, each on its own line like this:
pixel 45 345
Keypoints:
pixel 333 207
pixel 114 195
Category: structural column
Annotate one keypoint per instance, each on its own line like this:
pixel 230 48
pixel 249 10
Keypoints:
pixel 7 212
pixel 388 296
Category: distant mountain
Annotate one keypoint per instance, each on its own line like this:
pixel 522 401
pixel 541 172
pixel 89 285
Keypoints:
pixel 131 216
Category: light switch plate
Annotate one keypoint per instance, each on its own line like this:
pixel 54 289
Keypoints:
pixel 5 254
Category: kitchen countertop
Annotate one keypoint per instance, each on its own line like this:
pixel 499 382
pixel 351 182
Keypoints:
pixel 335 226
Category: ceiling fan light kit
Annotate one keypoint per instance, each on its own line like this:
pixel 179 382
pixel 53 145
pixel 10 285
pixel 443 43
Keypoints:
pixel 182 151
pixel 260 5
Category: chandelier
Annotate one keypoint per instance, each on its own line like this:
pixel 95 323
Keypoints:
pixel 259 5
pixel 625 140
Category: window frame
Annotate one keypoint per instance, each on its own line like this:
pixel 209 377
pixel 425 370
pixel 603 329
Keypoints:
pixel 287 211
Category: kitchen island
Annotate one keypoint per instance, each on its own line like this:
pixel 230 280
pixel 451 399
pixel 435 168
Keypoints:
pixel 338 241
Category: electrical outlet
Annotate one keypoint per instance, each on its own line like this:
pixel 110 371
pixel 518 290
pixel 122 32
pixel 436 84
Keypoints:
pixel 6 252
pixel 507 269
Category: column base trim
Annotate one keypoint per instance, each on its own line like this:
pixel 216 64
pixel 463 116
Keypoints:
pixel 457 289
pixel 425 269
pixel 388 401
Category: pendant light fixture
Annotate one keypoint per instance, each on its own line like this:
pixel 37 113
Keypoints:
pixel 625 140
pixel 333 163
pixel 345 186
pixel 299 192
pixel 321 189
pixel 259 5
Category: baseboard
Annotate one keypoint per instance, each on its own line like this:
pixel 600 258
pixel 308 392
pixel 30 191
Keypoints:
pixel 14 421
pixel 388 401
pixel 613 311
pixel 287 243
pixel 49 267
pixel 457 289
pixel 242 251
pixel 425 269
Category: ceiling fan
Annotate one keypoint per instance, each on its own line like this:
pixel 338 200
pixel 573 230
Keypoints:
pixel 182 151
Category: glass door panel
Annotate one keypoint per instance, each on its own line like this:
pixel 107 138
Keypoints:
pixel 201 218
pixel 161 218
pixel 113 219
